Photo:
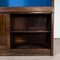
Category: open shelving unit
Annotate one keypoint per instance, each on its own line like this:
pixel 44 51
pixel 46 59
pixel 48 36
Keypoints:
pixel 29 30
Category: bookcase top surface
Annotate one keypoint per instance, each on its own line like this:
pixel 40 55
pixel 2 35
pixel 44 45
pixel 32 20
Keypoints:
pixel 27 9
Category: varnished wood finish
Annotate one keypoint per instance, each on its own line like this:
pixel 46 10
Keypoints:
pixel 52 34
pixel 3 41
pixel 25 10
pixel 8 30
pixel 25 52
pixel 5 17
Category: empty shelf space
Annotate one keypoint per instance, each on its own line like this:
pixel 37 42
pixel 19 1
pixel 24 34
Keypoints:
pixel 30 33
pixel 29 46
pixel 32 40
pixel 30 22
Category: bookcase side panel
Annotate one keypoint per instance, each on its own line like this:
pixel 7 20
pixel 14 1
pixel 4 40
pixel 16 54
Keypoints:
pixel 3 41
pixel 8 30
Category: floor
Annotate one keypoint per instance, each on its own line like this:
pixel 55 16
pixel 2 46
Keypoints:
pixel 55 57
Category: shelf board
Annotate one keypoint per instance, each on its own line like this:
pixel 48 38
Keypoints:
pixel 30 31
pixel 27 10
pixel 24 52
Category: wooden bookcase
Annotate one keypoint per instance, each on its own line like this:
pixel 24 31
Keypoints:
pixel 26 31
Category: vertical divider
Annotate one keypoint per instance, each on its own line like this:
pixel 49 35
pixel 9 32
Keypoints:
pixel 52 26
pixel 8 30
pixel 2 31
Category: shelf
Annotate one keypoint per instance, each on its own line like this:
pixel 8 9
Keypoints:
pixel 30 31
pixel 27 10
pixel 29 46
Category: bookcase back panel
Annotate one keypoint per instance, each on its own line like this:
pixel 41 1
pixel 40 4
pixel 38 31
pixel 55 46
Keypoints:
pixel 30 21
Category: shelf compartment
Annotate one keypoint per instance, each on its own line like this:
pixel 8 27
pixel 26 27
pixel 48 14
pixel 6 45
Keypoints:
pixel 30 31
pixel 30 21
pixel 40 40
pixel 33 51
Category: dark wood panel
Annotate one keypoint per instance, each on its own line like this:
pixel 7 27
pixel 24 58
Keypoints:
pixel 52 34
pixel 2 30
pixel 25 52
pixel 8 30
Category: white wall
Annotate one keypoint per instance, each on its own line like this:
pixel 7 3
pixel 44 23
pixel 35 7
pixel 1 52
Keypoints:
pixel 57 19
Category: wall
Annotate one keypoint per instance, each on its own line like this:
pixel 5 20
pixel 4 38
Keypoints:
pixel 57 19
pixel 22 3
pixel 3 3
